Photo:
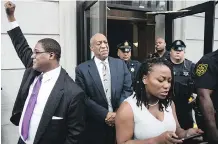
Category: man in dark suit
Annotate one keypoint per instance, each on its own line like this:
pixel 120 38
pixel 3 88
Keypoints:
pixel 49 107
pixel 106 82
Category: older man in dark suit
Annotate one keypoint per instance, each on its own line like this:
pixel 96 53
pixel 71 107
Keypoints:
pixel 106 82
pixel 49 107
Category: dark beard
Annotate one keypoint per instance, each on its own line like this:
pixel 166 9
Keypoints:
pixel 160 51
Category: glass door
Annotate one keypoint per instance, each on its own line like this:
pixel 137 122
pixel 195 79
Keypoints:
pixel 207 7
pixel 95 21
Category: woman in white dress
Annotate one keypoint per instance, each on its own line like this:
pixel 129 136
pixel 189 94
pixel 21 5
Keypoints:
pixel 148 116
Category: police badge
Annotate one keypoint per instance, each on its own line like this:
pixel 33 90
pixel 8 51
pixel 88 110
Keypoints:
pixel 132 69
pixel 126 44
pixel 185 73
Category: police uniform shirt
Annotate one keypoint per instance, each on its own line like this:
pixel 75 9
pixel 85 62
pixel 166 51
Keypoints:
pixel 182 92
pixel 206 72
pixel 133 67
pixel 183 72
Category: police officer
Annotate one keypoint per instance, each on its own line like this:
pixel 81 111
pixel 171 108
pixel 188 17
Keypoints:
pixel 183 70
pixel 124 52
pixel 160 47
pixel 206 79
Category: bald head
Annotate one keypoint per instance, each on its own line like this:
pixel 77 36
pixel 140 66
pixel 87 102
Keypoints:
pixel 96 36
pixel 160 39
pixel 160 45
pixel 99 45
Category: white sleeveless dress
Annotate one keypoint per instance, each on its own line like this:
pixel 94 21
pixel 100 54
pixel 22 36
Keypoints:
pixel 146 125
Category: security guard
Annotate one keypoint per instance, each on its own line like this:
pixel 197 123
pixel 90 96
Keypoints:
pixel 183 70
pixel 206 79
pixel 124 52
pixel 160 47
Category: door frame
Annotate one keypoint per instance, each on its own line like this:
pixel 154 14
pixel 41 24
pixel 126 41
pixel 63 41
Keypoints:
pixel 83 53
pixel 83 38
pixel 208 8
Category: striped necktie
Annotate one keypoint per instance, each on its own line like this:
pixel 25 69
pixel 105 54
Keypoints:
pixel 107 85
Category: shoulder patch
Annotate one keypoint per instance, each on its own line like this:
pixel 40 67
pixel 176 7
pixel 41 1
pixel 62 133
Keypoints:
pixel 201 69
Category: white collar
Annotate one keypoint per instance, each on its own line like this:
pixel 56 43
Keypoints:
pixel 50 74
pixel 98 61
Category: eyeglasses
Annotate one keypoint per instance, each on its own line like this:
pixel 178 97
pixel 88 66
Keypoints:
pixel 37 53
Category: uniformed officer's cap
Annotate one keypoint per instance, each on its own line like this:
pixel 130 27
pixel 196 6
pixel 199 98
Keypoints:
pixel 178 45
pixel 125 46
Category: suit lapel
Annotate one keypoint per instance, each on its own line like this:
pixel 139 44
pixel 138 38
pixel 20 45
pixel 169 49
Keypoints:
pixel 113 72
pixel 96 78
pixel 28 78
pixel 28 82
pixel 51 105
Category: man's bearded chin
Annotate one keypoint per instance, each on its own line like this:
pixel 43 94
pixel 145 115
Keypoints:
pixel 159 50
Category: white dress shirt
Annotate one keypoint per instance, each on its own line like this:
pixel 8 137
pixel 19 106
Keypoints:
pixel 13 25
pixel 48 81
pixel 100 65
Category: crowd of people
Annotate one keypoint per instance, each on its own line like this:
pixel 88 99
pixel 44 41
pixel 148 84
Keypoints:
pixel 114 101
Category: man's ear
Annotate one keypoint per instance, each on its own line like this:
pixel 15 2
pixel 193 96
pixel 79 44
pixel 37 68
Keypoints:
pixel 52 55
pixel 91 48
pixel 170 51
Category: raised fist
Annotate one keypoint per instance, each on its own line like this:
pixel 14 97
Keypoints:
pixel 9 8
